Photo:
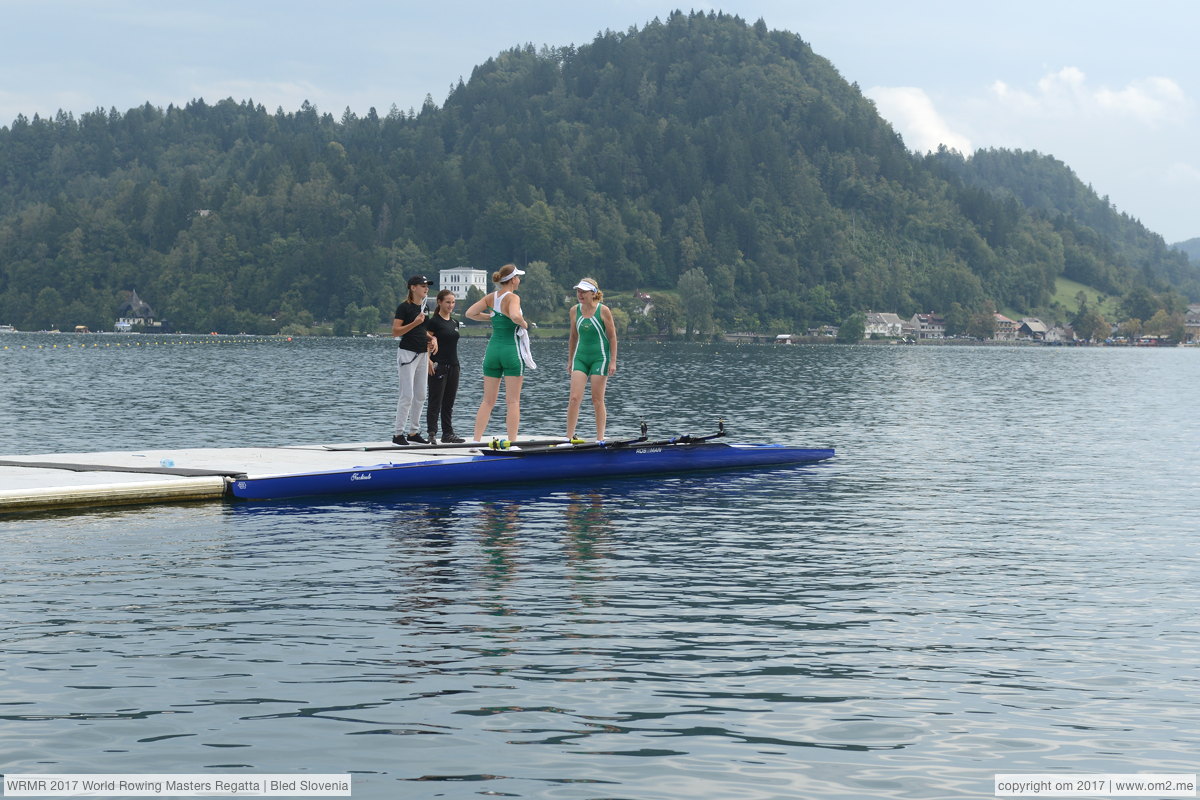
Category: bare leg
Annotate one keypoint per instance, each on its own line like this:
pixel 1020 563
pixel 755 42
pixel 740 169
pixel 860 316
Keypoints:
pixel 599 384
pixel 512 399
pixel 578 381
pixel 491 390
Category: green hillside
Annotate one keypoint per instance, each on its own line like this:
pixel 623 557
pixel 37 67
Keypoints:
pixel 700 153
pixel 1066 299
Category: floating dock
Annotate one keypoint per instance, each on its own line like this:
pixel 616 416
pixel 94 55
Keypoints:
pixel 38 482
pixel 61 480
pixel 65 480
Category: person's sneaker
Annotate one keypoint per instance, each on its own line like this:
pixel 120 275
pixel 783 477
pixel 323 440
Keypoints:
pixel 418 438
pixel 452 439
pixel 400 438
pixel 433 438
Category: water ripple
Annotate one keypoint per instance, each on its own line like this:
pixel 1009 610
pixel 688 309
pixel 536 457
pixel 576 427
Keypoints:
pixel 983 581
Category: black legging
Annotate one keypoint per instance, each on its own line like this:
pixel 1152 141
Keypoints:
pixel 443 388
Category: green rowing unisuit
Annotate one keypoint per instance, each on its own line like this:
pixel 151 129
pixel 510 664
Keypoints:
pixel 591 349
pixel 502 357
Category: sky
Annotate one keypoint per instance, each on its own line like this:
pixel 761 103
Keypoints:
pixel 1112 89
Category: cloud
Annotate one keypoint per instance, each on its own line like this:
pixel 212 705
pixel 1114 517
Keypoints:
pixel 1067 94
pixel 1152 100
pixel 1133 141
pixel 911 111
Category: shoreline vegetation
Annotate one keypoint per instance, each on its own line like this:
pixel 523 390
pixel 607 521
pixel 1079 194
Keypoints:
pixel 724 169
pixel 667 315
pixel 550 334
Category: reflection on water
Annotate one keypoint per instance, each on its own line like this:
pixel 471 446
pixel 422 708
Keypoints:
pixel 589 531
pixel 498 543
pixel 980 582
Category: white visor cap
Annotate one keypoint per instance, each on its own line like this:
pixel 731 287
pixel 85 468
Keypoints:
pixel 510 275
pixel 587 286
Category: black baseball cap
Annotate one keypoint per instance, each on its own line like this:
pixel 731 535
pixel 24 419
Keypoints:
pixel 417 280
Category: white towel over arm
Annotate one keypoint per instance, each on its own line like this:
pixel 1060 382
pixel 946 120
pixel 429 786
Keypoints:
pixel 523 348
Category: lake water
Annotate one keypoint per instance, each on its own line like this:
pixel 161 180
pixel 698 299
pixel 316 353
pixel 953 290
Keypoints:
pixel 997 574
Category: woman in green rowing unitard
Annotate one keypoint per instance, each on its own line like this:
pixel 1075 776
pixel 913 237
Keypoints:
pixel 502 359
pixel 591 353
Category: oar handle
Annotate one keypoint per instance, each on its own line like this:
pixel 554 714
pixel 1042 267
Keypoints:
pixel 689 439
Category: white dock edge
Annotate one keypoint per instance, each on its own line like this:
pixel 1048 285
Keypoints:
pixel 32 482
pixel 120 493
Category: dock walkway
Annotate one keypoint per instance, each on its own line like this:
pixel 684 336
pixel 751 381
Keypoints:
pixel 59 480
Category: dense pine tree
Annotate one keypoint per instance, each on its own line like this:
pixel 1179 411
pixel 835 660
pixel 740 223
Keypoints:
pixel 698 146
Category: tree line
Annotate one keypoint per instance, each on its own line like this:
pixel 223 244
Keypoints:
pixel 724 166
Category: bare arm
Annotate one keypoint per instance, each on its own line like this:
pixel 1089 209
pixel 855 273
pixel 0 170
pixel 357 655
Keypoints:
pixel 514 310
pixel 572 340
pixel 479 310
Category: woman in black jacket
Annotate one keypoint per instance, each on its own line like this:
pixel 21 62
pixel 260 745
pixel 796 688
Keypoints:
pixel 443 369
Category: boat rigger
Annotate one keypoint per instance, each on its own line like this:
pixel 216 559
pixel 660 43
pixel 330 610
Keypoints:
pixel 33 482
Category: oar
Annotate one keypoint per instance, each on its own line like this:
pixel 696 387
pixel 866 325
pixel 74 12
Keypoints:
pixel 574 447
pixel 601 445
pixel 688 439
pixel 642 442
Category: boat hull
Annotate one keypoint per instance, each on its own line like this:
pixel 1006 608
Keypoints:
pixel 524 467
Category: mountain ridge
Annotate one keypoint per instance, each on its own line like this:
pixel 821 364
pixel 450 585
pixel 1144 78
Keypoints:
pixel 700 144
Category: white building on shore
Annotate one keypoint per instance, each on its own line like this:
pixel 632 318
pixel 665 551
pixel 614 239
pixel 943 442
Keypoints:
pixel 460 280
pixel 928 326
pixel 884 325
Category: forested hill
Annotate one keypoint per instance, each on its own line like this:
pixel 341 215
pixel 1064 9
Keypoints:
pixel 696 150
pixel 1121 249
pixel 1191 247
